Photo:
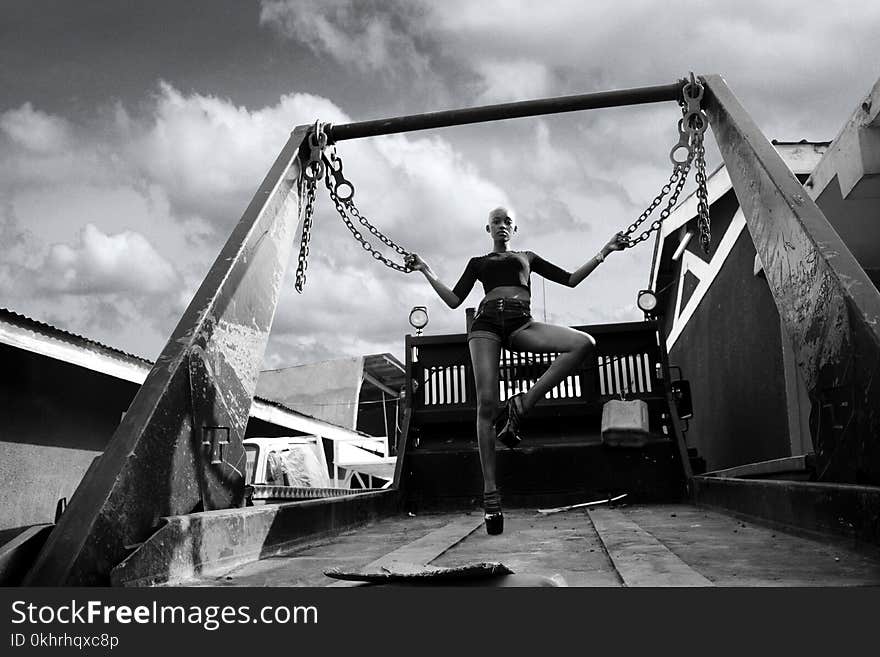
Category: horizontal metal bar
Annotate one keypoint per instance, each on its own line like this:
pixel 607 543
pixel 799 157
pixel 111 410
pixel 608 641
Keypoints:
pixel 803 463
pixel 447 118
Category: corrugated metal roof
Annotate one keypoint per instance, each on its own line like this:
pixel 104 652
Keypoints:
pixel 36 325
pixel 387 369
pixel 48 340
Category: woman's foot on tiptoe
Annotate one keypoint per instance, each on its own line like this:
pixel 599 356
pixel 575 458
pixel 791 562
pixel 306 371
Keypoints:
pixel 507 425
pixel 493 516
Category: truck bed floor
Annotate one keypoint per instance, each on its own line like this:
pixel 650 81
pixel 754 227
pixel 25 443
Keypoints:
pixel 652 545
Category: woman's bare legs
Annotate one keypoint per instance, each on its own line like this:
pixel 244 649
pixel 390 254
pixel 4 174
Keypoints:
pixel 573 347
pixel 485 354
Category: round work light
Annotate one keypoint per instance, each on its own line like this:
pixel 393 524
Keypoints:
pixel 647 302
pixel 418 318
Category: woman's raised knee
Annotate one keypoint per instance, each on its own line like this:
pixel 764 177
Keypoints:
pixel 587 345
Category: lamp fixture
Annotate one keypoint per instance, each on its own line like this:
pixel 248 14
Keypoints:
pixel 418 318
pixel 647 302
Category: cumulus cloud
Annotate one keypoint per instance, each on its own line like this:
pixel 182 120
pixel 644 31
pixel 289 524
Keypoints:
pixel 163 178
pixel 594 172
pixel 101 264
pixel 512 80
pixel 771 53
pixel 208 154
pixel 133 230
pixel 34 130
pixel 372 37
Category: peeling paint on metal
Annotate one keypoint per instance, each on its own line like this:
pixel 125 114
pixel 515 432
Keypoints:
pixel 208 370
pixel 825 299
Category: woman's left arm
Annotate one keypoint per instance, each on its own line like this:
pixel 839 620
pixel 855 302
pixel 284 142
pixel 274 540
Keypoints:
pixel 558 275
pixel 616 243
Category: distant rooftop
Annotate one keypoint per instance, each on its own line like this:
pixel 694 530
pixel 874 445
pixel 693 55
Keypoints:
pixel 17 330
pixel 49 330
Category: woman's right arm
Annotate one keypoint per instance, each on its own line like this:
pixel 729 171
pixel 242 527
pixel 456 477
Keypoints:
pixel 453 299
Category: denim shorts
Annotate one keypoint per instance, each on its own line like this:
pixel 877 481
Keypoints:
pixel 500 319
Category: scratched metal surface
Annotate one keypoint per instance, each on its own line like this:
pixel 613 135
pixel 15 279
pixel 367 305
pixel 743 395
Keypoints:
pixel 825 299
pixel 179 445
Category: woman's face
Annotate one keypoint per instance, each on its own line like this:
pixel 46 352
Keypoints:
pixel 501 226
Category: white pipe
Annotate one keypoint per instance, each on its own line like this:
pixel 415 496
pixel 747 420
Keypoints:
pixel 683 245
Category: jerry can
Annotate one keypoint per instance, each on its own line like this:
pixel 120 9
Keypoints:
pixel 625 423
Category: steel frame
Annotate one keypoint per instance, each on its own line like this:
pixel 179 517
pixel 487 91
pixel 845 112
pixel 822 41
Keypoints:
pixel 826 301
pixel 178 448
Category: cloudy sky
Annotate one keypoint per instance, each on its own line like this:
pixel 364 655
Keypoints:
pixel 133 135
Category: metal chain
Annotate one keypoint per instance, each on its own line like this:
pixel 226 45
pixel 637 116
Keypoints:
pixel 691 128
pixel 343 208
pixel 335 180
pixel 375 231
pixel 303 261
pixel 702 196
pixel 331 169
pixel 676 179
pixel 670 205
pixel 696 122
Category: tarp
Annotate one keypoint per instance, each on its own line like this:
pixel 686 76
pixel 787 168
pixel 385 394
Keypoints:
pixel 297 466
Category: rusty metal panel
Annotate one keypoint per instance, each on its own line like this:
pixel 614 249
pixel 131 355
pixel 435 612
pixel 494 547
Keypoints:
pixel 178 449
pixel 825 299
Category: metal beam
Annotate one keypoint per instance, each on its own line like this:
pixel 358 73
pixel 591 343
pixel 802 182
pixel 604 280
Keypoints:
pixel 539 107
pixel 853 159
pixel 369 378
pixel 178 448
pixel 826 301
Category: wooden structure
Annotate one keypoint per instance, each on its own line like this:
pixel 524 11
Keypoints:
pixel 566 458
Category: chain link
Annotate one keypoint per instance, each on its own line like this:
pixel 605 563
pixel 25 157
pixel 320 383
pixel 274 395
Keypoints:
pixel 303 260
pixel 691 128
pixel 678 178
pixel 334 180
pixel 346 207
pixel 674 179
pixel 702 197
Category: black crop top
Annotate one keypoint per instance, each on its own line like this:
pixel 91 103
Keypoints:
pixel 509 268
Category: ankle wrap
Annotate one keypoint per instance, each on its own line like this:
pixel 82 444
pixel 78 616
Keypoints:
pixel 492 502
